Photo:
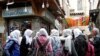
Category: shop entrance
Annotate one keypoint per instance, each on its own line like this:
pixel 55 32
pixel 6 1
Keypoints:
pixel 21 24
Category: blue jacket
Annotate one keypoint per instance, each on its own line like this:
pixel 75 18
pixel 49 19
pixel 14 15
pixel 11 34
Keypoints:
pixel 12 48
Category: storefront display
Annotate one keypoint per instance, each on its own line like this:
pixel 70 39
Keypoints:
pixel 81 21
pixel 17 18
pixel 20 24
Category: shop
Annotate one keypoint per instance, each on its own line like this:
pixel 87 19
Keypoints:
pixel 18 18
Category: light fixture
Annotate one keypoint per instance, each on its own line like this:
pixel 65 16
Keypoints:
pixel 7 8
pixel 10 3
pixel 47 5
pixel 43 5
pixel 25 9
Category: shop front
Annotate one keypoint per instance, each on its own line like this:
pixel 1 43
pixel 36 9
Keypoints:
pixel 17 18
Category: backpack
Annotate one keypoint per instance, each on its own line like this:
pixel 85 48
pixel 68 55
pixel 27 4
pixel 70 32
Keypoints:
pixel 63 50
pixel 41 51
pixel 10 49
pixel 90 50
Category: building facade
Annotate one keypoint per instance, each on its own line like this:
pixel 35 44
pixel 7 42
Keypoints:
pixel 80 8
pixel 98 16
pixel 33 14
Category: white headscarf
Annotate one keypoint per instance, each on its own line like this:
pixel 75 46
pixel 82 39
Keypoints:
pixel 68 39
pixel 20 39
pixel 55 36
pixel 15 35
pixel 97 31
pixel 77 32
pixel 37 35
pixel 28 36
pixel 54 32
pixel 43 31
pixel 9 37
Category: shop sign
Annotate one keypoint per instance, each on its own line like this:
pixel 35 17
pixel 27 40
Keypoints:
pixel 17 12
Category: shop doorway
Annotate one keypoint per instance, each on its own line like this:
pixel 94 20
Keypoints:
pixel 21 24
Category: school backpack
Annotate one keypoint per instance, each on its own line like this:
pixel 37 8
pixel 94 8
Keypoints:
pixel 40 50
pixel 13 50
pixel 90 50
pixel 63 51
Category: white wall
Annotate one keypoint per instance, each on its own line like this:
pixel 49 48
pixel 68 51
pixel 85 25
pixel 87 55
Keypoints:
pixel 85 6
pixel 66 8
pixel 60 1
pixel 73 4
pixel 94 4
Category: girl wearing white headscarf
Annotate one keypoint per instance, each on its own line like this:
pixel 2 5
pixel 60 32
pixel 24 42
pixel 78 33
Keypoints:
pixel 12 46
pixel 9 37
pixel 69 49
pixel 68 39
pixel 42 39
pixel 26 42
pixel 33 40
pixel 80 42
pixel 55 41
pixel 77 32
pixel 96 40
pixel 37 34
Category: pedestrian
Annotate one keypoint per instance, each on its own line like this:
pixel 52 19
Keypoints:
pixel 90 51
pixel 12 47
pixel 26 42
pixel 90 47
pixel 80 42
pixel 9 37
pixel 42 44
pixel 36 36
pixel 91 26
pixel 55 41
pixel 67 47
pixel 96 41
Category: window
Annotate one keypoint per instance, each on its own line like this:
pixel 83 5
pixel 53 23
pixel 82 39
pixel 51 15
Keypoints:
pixel 79 5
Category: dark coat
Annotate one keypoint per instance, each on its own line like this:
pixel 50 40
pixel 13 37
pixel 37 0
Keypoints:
pixel 97 46
pixel 81 45
pixel 74 53
pixel 24 47
pixel 12 48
